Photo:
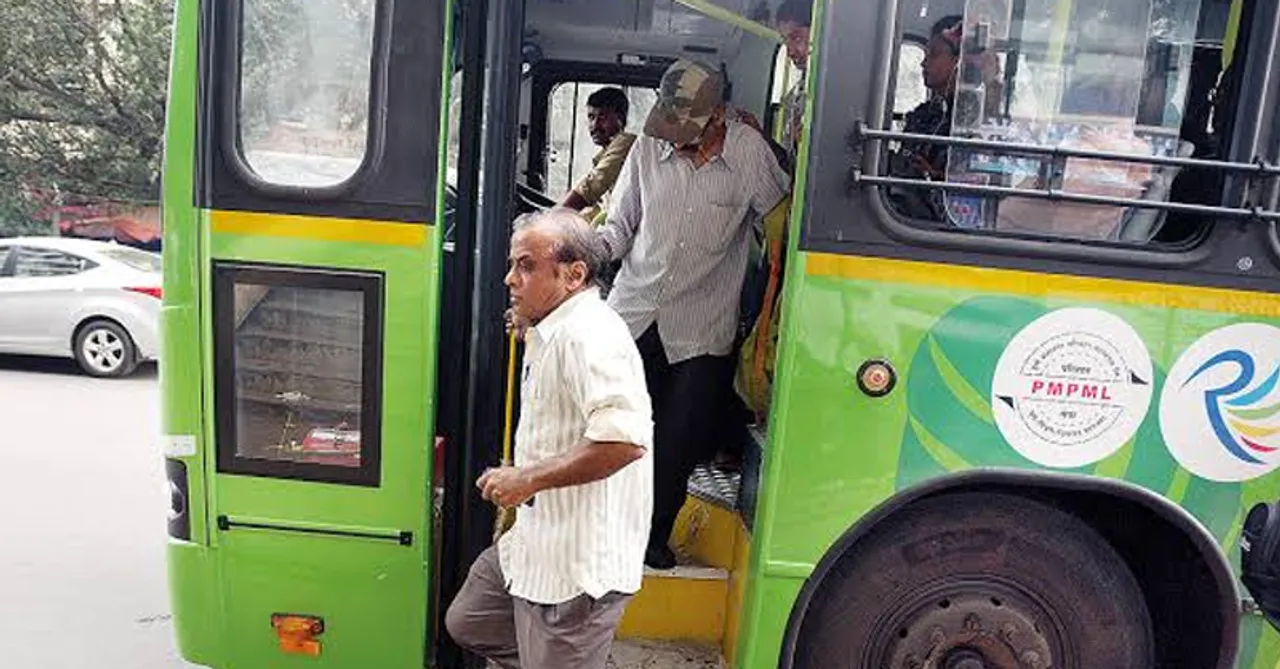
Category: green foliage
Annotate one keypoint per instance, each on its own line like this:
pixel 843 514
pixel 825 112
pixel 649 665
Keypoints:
pixel 82 98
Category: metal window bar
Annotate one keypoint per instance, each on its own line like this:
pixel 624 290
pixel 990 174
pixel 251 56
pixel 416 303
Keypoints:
pixel 864 134
pixel 1057 195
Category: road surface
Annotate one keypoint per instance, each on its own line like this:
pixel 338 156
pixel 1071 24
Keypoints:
pixel 82 569
pixel 82 536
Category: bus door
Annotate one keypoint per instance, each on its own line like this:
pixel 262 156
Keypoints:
pixel 316 179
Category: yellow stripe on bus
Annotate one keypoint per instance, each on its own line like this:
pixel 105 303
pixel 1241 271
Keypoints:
pixel 318 228
pixel 1035 284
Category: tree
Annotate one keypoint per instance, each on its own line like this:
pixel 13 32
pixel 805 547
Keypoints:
pixel 82 99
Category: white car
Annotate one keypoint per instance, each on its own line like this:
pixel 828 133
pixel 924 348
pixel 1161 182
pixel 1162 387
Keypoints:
pixel 96 302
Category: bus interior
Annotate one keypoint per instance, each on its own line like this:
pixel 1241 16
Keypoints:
pixel 570 49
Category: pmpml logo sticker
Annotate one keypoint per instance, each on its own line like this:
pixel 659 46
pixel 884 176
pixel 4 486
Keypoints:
pixel 1072 387
pixel 1220 409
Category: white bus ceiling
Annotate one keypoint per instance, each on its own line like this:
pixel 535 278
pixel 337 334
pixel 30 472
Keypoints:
pixel 613 31
pixel 601 30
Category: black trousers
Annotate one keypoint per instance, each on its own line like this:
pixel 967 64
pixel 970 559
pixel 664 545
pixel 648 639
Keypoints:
pixel 688 405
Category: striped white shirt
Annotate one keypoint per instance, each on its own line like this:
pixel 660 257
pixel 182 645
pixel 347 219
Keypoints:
pixel 583 380
pixel 684 234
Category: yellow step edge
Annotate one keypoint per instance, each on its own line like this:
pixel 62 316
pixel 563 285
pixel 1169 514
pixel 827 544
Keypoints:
pixel 692 602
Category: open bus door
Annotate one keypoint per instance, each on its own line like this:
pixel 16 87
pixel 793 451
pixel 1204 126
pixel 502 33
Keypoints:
pixel 315 172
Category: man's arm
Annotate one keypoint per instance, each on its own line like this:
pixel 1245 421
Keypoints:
pixel 575 201
pixel 602 176
pixel 768 181
pixel 608 387
pixel 625 209
pixel 591 461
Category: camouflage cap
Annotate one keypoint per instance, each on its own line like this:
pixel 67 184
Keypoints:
pixel 688 97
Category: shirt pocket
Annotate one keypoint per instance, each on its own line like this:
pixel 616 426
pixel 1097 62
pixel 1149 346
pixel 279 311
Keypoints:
pixel 717 222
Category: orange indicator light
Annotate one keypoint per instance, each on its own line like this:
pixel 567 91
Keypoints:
pixel 297 633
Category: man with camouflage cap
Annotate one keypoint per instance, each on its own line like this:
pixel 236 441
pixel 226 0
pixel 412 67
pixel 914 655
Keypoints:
pixel 681 221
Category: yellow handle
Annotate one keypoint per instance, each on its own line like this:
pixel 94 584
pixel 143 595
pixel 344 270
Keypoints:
pixel 502 520
pixel 507 428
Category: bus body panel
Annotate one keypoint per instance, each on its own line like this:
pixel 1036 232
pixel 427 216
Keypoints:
pixel 280 315
pixel 944 329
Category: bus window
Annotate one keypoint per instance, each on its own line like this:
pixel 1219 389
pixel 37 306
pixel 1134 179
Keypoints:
pixel 571 148
pixel 304 89
pixel 1119 77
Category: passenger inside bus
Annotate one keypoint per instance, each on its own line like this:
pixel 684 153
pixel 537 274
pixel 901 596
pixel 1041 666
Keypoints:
pixel 793 20
pixel 607 122
pixel 923 160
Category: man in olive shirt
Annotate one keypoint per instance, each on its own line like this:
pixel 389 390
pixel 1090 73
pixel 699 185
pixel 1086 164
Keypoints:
pixel 607 118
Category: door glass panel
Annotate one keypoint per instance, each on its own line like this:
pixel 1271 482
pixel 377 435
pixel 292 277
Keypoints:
pixel 298 385
pixel 304 89
pixel 298 376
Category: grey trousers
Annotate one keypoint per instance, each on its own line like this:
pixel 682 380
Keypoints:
pixel 513 633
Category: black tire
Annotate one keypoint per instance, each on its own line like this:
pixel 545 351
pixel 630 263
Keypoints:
pixel 978 580
pixel 104 349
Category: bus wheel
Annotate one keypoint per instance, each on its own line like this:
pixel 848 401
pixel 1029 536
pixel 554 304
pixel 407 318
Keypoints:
pixel 978 580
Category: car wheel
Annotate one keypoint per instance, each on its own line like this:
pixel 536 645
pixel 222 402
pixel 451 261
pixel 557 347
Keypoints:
pixel 104 349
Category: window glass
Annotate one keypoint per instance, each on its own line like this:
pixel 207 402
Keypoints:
pixel 304 89
pixel 38 262
pixel 785 76
pixel 298 374
pixel 571 150
pixel 1124 77
pixel 4 259
pixel 909 87
pixel 142 261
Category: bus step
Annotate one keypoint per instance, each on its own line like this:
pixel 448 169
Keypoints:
pixel 694 572
pixel 647 654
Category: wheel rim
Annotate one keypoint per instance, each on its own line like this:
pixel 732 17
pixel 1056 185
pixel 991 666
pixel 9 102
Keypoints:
pixel 103 350
pixel 969 623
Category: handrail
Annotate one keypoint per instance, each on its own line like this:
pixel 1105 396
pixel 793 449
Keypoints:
pixel 725 16
pixel 1055 195
pixel 863 133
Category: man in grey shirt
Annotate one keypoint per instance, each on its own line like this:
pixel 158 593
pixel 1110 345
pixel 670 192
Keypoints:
pixel 685 204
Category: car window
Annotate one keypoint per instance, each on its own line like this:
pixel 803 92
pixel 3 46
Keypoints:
pixel 139 260
pixel 38 262
pixel 4 260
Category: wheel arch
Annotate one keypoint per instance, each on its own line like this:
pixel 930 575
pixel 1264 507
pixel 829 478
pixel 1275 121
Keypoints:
pixel 83 321
pixel 1176 634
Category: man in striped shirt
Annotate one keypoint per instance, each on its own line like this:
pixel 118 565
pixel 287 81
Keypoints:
pixel 681 221
pixel 552 592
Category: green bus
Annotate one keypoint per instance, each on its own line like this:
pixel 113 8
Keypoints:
pixel 1024 411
